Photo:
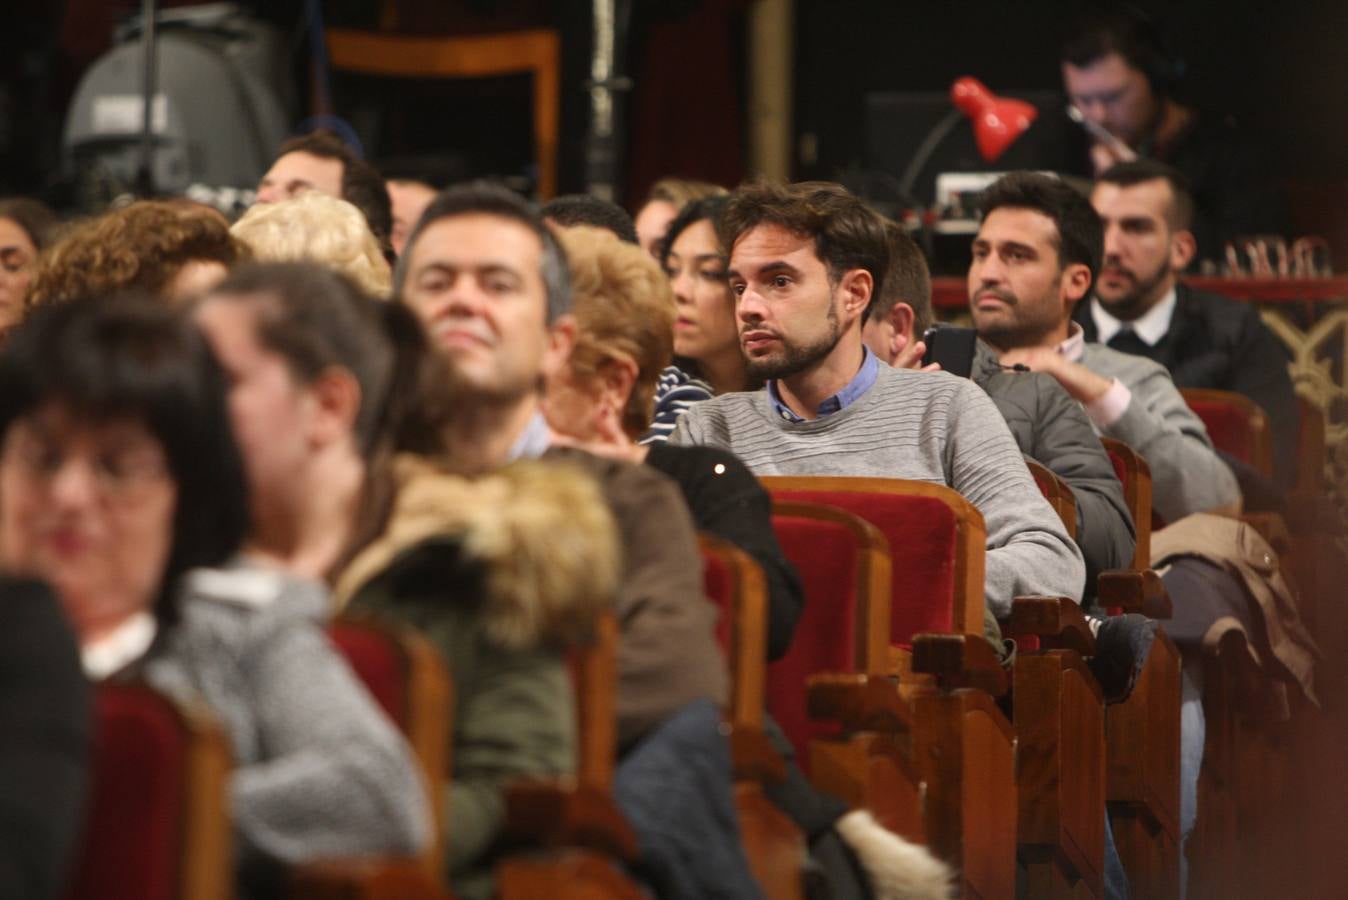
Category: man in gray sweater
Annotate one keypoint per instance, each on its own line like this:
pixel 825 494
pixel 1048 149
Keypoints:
pixel 805 262
pixel 1034 259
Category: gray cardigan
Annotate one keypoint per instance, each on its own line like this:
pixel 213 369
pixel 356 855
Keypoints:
pixel 1187 475
pixel 926 426
pixel 319 770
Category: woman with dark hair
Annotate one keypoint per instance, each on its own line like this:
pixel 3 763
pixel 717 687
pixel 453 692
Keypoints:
pixel 121 486
pixel 26 227
pixel 337 405
pixel 707 356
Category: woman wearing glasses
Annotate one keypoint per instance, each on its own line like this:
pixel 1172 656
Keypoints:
pixel 121 486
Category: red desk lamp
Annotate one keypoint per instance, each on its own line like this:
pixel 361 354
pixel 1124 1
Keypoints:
pixel 997 121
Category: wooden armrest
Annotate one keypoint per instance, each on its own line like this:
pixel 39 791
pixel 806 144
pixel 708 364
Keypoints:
pixel 377 878
pixel 858 702
pixel 960 661
pixel 1058 622
pixel 753 756
pixel 1135 591
pixel 562 813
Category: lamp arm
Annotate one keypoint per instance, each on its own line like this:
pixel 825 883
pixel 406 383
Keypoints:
pixel 924 151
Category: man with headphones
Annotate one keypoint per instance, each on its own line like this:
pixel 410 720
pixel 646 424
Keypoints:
pixel 1121 78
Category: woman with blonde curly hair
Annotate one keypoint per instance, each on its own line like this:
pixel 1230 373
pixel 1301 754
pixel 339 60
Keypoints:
pixel 170 248
pixel 321 229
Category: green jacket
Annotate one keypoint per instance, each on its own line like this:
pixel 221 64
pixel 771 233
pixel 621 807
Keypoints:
pixel 501 574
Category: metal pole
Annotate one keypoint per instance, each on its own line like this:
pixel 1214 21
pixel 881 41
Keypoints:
pixel 145 174
pixel 606 84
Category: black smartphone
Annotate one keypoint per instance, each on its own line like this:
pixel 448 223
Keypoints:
pixel 952 347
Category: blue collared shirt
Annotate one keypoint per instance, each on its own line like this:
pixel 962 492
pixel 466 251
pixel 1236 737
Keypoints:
pixel 534 441
pixel 851 392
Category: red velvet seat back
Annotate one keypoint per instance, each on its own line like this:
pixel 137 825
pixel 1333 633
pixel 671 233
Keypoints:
pixel 1228 428
pixel 1236 425
pixel 378 661
pixel 922 532
pixel 132 847
pixel 826 637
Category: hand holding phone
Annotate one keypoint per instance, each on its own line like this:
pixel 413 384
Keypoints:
pixel 951 347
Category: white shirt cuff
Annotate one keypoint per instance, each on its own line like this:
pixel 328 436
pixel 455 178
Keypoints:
pixel 1110 406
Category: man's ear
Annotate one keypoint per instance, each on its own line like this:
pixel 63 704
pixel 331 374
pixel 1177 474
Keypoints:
pixel 902 318
pixel 561 339
pixel 1076 281
pixel 1183 248
pixel 856 286
pixel 336 398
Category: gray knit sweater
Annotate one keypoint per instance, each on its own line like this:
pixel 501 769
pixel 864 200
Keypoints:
pixel 923 426
pixel 320 771
pixel 1187 475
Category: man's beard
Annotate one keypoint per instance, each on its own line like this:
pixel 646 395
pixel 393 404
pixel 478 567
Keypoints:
pixel 1134 303
pixel 795 358
pixel 1008 333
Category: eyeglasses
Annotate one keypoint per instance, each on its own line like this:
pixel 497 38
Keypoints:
pixel 120 472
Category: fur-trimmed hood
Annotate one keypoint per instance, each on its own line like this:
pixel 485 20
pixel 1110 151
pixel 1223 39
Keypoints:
pixel 541 533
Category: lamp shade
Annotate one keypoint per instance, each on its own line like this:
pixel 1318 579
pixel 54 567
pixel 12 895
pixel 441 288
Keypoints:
pixel 997 121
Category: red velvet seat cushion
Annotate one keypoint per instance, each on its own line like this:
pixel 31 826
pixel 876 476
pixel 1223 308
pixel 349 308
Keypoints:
pixel 378 661
pixel 922 535
pixel 825 554
pixel 132 842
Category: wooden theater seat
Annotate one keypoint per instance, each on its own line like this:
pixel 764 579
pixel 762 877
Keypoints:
pixel 773 844
pixel 583 835
pixel 407 678
pixel 1236 425
pixel 1058 494
pixel 831 693
pixel 962 746
pixel 157 825
pixel 1142 732
pixel 937 539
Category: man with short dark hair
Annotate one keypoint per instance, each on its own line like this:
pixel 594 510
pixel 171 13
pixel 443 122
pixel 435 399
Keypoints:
pixel 806 261
pixel 586 209
pixel 1118 72
pixel 1140 305
pixel 321 161
pixel 490 283
pixel 1034 259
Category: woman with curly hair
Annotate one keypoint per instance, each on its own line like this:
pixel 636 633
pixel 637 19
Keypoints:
pixel 171 248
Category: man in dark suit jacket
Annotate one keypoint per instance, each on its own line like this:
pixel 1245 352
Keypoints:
pixel 1141 307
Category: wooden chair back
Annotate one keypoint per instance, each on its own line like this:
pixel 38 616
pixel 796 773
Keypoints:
pixel 772 843
pixel 937 544
pixel 408 679
pixel 1058 494
pixel 1132 470
pixel 1236 425
pixel 157 825
pixel 734 583
pixel 535 52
